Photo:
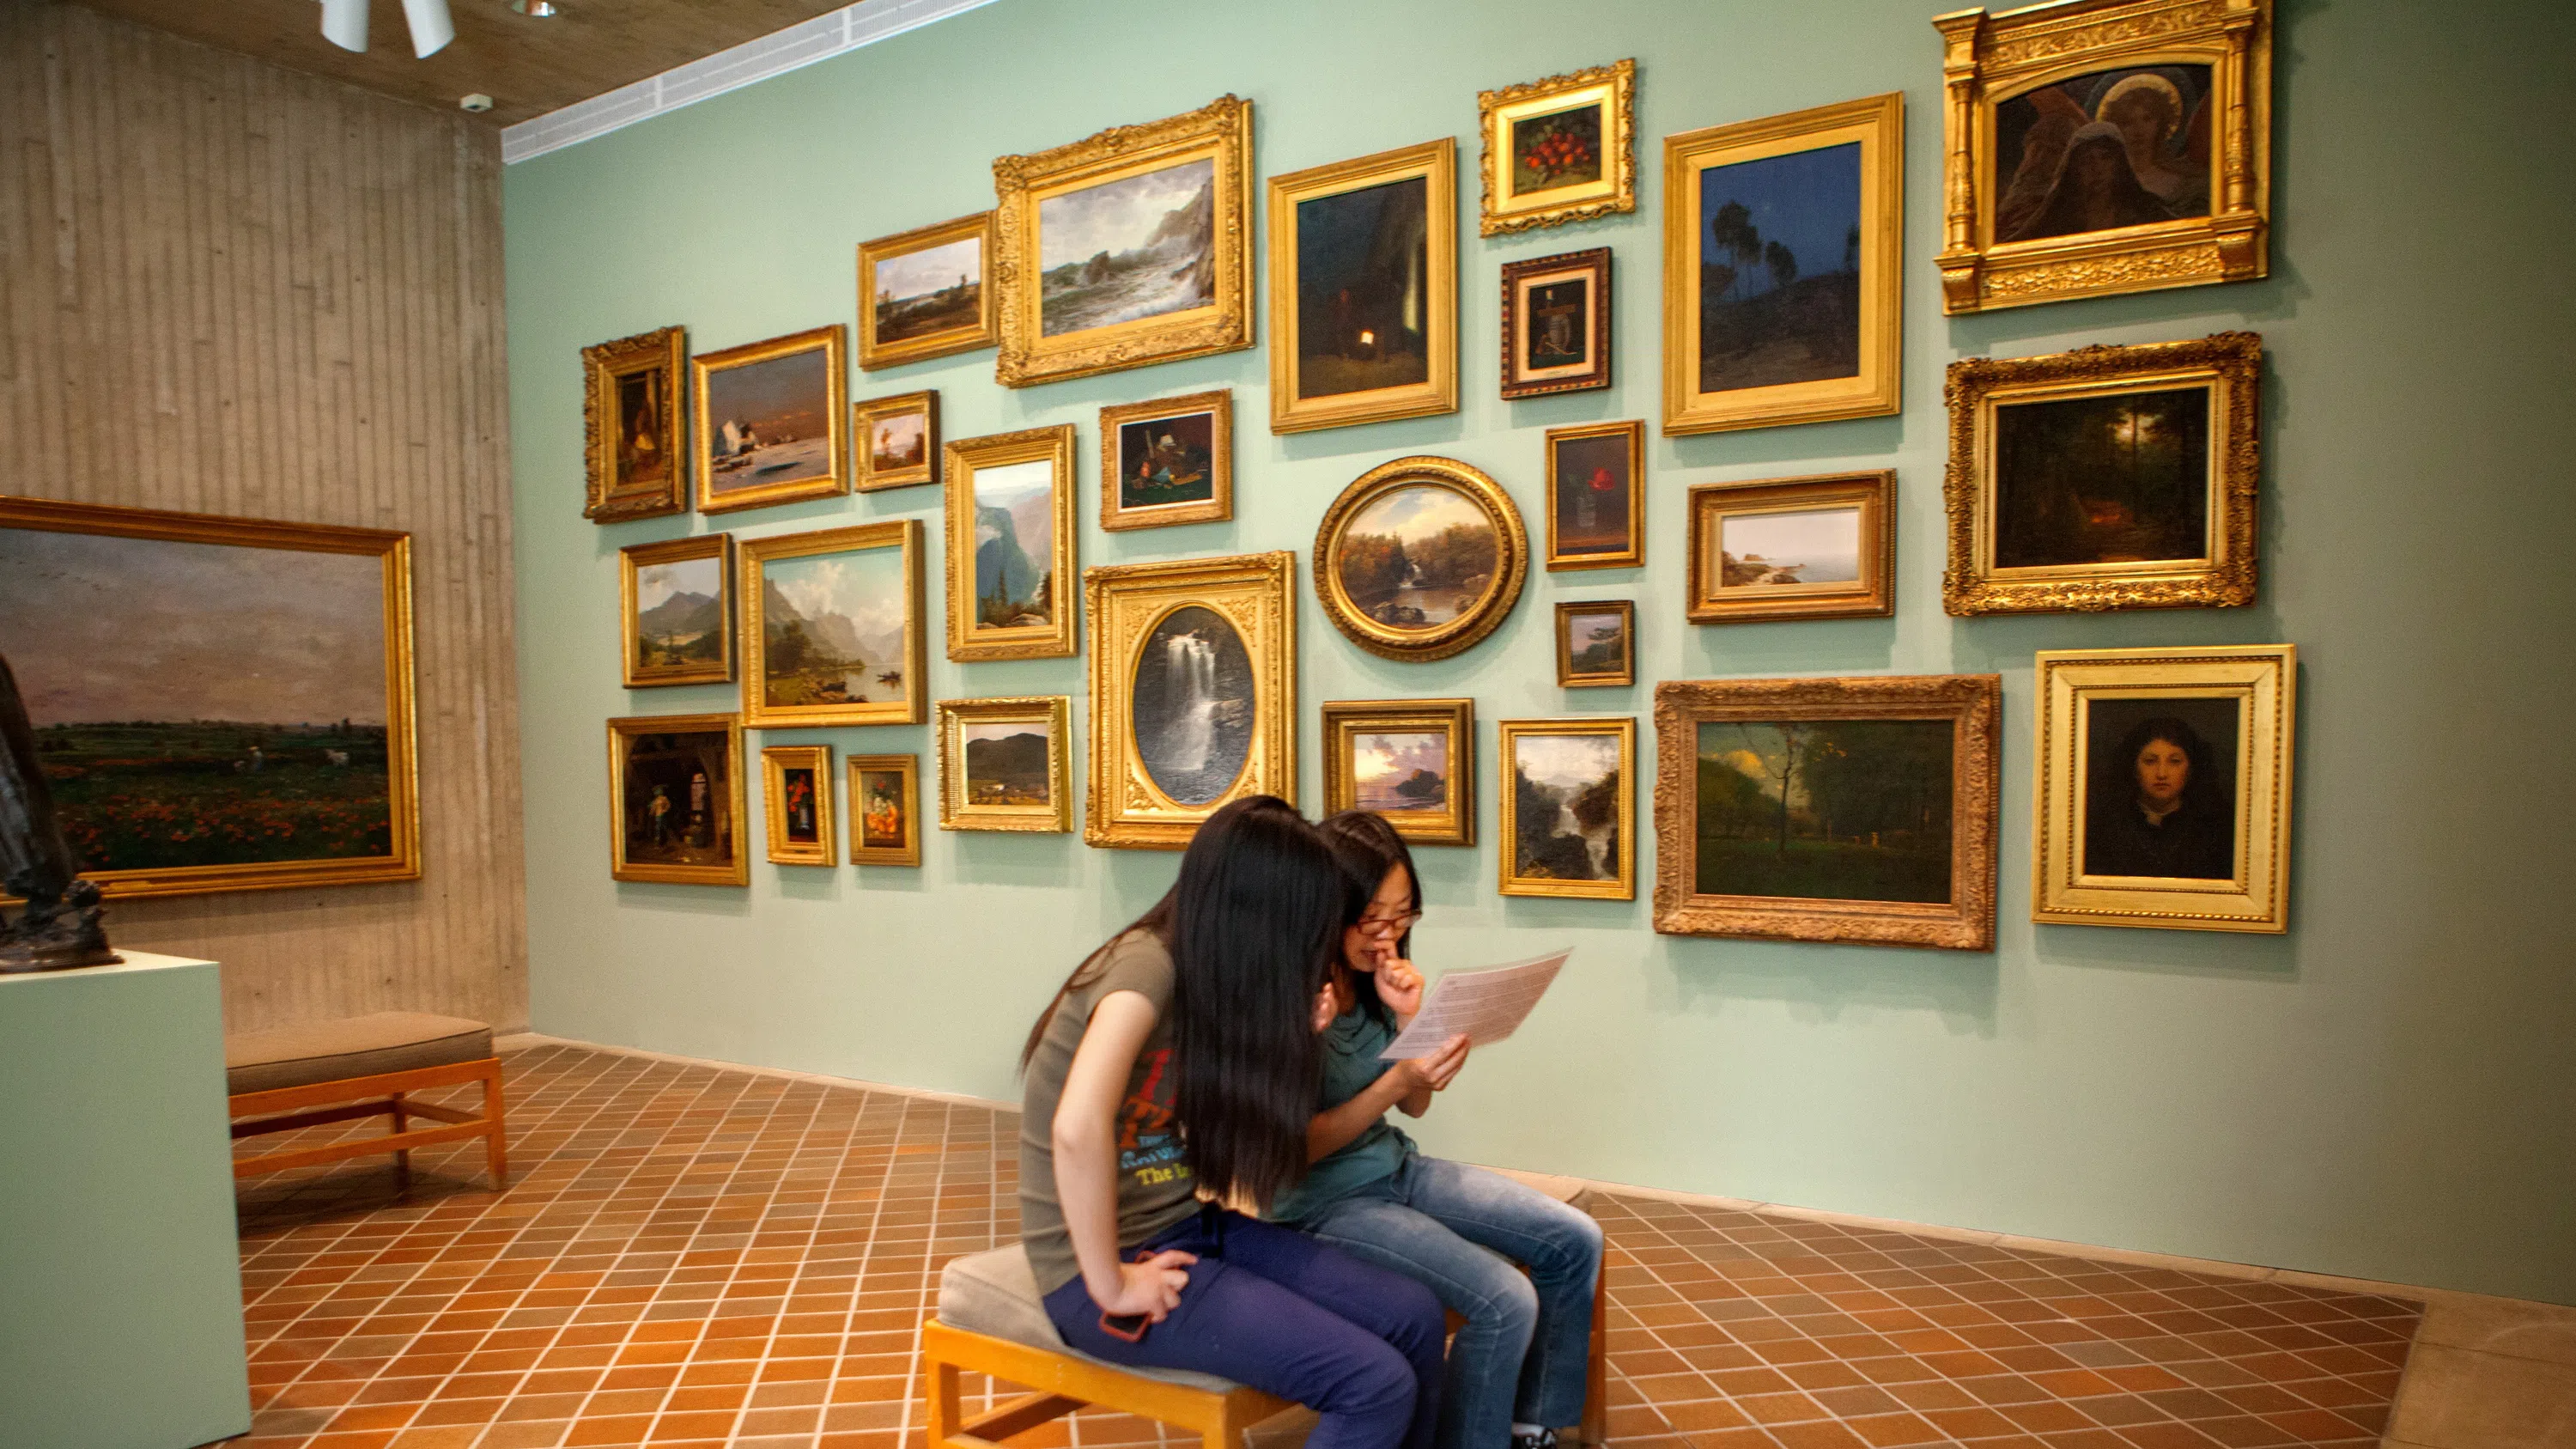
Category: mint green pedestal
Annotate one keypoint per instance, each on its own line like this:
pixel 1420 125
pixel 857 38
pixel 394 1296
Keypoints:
pixel 120 1266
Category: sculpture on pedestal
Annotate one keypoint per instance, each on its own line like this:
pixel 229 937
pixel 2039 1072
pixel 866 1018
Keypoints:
pixel 60 926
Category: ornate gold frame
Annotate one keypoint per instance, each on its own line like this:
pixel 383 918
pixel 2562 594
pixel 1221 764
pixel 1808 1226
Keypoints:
pixel 909 768
pixel 2263 678
pixel 1518 279
pixel 1872 595
pixel 1635 553
pixel 620 732
pixel 1989 59
pixel 1614 88
pixel 1437 163
pixel 1221 129
pixel 2230 364
pixel 665 350
pixel 1219 404
pixel 1566 609
pixel 1459 634
pixel 756 554
pixel 984 332
pixel 1877 123
pixel 1973 703
pixel 836 407
pixel 958 813
pixel 717 546
pixel 402 769
pixel 775 762
pixel 1346 719
pixel 966 641
pixel 863 416
pixel 1507 734
pixel 1256 594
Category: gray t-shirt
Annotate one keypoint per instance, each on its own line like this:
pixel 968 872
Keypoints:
pixel 1351 1046
pixel 1155 1186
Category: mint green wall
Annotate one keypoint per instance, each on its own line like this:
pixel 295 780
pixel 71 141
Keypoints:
pixel 2386 1091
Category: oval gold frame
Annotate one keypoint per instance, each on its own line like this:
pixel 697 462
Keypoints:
pixel 1471 626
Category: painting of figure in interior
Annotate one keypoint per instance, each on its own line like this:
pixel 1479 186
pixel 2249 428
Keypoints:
pixel 676 796
pixel 1418 556
pixel 1800 546
pixel 936 289
pixel 2160 797
pixel 643 412
pixel 1006 762
pixel 1852 810
pixel 1191 705
pixel 1566 797
pixel 770 420
pixel 1014 545
pixel 1779 271
pixel 1138 246
pixel 2110 149
pixel 2117 478
pixel 1401 770
pixel 1363 289
pixel 834 628
pixel 1558 149
pixel 1167 460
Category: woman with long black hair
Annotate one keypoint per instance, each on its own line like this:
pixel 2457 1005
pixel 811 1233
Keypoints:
pixel 1175 1071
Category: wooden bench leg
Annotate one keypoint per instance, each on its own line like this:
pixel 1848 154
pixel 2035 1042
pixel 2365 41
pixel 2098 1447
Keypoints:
pixel 946 1412
pixel 402 1155
pixel 496 1151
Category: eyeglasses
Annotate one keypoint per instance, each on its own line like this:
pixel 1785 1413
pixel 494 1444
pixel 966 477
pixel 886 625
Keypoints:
pixel 1388 925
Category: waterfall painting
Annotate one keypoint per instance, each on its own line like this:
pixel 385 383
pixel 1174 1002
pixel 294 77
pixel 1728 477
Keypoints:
pixel 1010 545
pixel 1191 705
pixel 769 420
pixel 677 606
pixel 1569 807
pixel 1411 761
pixel 832 627
pixel 1420 558
pixel 1364 289
pixel 1002 764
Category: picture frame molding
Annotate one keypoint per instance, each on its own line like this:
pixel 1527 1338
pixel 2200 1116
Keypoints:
pixel 775 761
pixel 834 342
pixel 1344 719
pixel 956 813
pixel 987 332
pixel 624 728
pixel 603 364
pixel 718 546
pixel 1873 596
pixel 1507 734
pixel 1518 275
pixel 1459 634
pixel 1218 507
pixel 1499 210
pixel 1634 555
pixel 908 767
pixel 1056 640
pixel 1566 611
pixel 1436 162
pixel 756 554
pixel 863 417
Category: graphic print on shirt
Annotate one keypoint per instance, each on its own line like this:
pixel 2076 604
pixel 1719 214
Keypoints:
pixel 1148 1144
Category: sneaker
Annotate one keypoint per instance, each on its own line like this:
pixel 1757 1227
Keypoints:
pixel 1543 1439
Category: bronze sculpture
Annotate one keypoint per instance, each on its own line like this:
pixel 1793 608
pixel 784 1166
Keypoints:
pixel 60 926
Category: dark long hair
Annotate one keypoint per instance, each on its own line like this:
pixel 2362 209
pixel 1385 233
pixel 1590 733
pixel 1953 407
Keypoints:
pixel 2200 787
pixel 1367 847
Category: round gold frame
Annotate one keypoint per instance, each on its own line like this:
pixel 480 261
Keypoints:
pixel 1472 624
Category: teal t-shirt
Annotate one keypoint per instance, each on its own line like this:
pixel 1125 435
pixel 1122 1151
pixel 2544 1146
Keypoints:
pixel 1351 1046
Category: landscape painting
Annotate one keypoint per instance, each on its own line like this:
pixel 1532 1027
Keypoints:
pixel 1010 545
pixel 2108 149
pixel 1192 705
pixel 898 440
pixel 1570 823
pixel 1595 519
pixel 1363 274
pixel 835 632
pixel 769 421
pixel 679 612
pixel 1006 763
pixel 1844 809
pixel 1778 550
pixel 1419 556
pixel 1780 257
pixel 1140 246
pixel 1596 644
pixel 937 289
pixel 1400 770
pixel 2100 479
pixel 678 800
pixel 1409 760
pixel 1015 511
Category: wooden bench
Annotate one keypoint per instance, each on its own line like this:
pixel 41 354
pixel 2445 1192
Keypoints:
pixel 364 1066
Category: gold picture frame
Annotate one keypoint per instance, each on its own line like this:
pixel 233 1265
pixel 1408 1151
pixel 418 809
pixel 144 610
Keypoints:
pixel 787 680
pixel 2218 862
pixel 1149 452
pixel 885 809
pixel 1037 623
pixel 698 834
pixel 1543 122
pixel 691 640
pixel 1536 858
pixel 1911 750
pixel 1150 161
pixel 1400 618
pixel 1193 693
pixel 1397 732
pixel 1598 662
pixel 105 610
pixel 1724 363
pixel 796 801
pixel 631 423
pixel 1556 324
pixel 927 321
pixel 802 401
pixel 2042 82
pixel 1335 368
pixel 1801 521
pixel 1001 799
pixel 1591 465
pixel 2023 541
pixel 875 469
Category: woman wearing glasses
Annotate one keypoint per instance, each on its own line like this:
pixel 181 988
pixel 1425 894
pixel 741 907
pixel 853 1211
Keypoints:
pixel 1517 1368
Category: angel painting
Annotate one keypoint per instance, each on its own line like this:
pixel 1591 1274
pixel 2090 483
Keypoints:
pixel 2114 148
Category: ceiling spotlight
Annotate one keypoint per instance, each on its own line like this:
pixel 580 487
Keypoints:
pixel 344 24
pixel 477 103
pixel 533 9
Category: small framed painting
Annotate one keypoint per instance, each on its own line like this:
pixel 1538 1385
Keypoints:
pixel 1560 149
pixel 1411 761
pixel 1167 461
pixel 1596 643
pixel 2163 787
pixel 831 627
pixel 2104 478
pixel 1556 324
pixel 1793 548
pixel 1002 764
pixel 631 411
pixel 922 293
pixel 1596 496
pixel 885 810
pixel 1420 558
pixel 898 440
pixel 676 599
pixel 675 800
pixel 769 420
pixel 1364 289
pixel 1011 545
pixel 796 801
pixel 1569 790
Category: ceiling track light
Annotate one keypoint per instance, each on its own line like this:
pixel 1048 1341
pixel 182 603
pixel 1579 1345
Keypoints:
pixel 344 24
pixel 533 9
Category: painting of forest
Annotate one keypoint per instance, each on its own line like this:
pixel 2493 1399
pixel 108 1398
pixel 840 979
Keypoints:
pixel 1417 556
pixel 1780 244
pixel 1854 810
pixel 1565 807
pixel 2103 479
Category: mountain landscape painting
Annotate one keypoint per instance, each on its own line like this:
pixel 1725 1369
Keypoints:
pixel 1006 763
pixel 834 629
pixel 679 613
pixel 1015 545
pixel 1139 246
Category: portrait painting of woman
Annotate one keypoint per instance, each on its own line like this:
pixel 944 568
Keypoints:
pixel 2162 797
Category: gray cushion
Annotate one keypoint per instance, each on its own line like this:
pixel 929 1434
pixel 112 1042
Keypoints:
pixel 357 1046
pixel 995 1293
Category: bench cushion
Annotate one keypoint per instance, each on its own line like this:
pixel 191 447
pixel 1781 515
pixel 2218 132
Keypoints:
pixel 995 1293
pixel 357 1046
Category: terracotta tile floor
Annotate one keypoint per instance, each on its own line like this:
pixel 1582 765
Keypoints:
pixel 690 1255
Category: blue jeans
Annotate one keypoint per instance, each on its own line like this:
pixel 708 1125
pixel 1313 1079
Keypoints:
pixel 1526 1346
pixel 1271 1307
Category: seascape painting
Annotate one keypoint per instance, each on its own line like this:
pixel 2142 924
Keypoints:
pixel 883 810
pixel 898 442
pixel 679 613
pixel 1006 762
pixel 1854 810
pixel 2160 797
pixel 676 796
pixel 1400 770
pixel 1597 643
pixel 1559 149
pixel 1779 269
pixel 1363 271
pixel 2103 479
pixel 936 289
pixel 1014 545
pixel 2110 149
pixel 1565 791
pixel 1192 705
pixel 1418 556
pixel 1594 495
pixel 204 704
pixel 643 413
pixel 834 629
pixel 1806 546
pixel 1167 460
pixel 1140 246
pixel 769 422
